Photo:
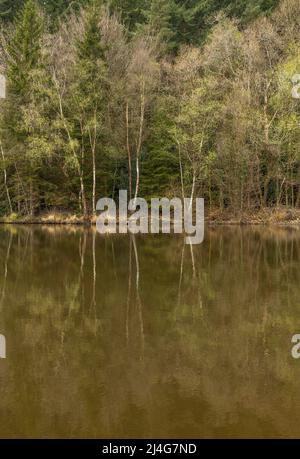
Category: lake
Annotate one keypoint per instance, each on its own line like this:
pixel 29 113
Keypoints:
pixel 146 337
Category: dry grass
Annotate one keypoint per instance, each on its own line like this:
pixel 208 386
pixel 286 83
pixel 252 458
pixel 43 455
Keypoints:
pixel 278 216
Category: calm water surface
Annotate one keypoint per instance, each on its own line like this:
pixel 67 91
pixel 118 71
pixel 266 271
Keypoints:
pixel 148 337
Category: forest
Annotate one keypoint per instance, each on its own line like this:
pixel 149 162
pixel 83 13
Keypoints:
pixel 159 97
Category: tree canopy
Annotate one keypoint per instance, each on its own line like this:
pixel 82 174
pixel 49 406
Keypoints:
pixel 160 97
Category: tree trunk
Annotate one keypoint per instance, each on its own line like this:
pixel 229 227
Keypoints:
pixel 128 151
pixel 139 145
pixel 83 198
pixel 193 189
pixel 93 140
pixel 5 179
pixel 79 168
pixel 181 170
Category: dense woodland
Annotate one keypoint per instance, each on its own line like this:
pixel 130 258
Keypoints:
pixel 159 97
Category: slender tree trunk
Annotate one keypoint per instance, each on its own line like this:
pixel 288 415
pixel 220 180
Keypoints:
pixel 128 151
pixel 210 195
pixel 23 190
pixel 266 118
pixel 139 145
pixel 114 181
pixel 93 140
pixel 292 187
pixel 298 198
pixel 30 198
pixel 94 182
pixel 82 191
pixel 280 193
pixel 181 170
pixel 193 189
pixel 77 162
pixel 137 185
pixel 5 179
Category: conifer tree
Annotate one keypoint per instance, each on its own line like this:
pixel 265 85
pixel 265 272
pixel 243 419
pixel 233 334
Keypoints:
pixel 24 60
pixel 91 87
pixel 24 48
pixel 133 12
pixel 159 20
pixel 57 8
pixel 8 8
pixel 84 103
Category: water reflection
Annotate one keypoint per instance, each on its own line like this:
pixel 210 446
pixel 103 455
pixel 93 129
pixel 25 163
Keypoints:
pixel 148 337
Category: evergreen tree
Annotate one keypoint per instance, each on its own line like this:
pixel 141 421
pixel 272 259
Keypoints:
pixel 246 11
pixel 193 19
pixel 160 170
pixel 85 104
pixel 8 8
pixel 24 62
pixel 133 12
pixel 24 49
pixel 159 20
pixel 56 8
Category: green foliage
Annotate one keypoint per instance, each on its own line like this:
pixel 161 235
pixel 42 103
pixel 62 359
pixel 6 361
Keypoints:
pixel 24 48
pixel 133 12
pixel 90 99
pixel 160 162
pixel 24 63
pixel 158 19
pixel 8 8
pixel 193 19
pixel 90 54
pixel 58 8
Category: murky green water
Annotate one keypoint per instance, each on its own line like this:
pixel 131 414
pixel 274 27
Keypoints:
pixel 121 337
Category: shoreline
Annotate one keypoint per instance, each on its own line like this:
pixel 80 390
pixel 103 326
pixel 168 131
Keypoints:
pixel 264 217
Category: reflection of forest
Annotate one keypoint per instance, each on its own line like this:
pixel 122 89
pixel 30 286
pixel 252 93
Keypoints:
pixel 146 336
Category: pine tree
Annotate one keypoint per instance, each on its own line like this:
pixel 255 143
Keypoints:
pixel 24 48
pixel 247 11
pixel 160 162
pixel 87 98
pixel 56 8
pixel 90 48
pixel 159 20
pixel 24 60
pixel 8 8
pixel 133 12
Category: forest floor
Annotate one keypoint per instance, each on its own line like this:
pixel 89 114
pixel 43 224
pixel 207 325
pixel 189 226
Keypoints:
pixel 273 216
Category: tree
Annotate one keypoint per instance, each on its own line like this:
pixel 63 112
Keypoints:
pixel 159 168
pixel 81 93
pixel 133 12
pixel 8 9
pixel 157 96
pixel 24 49
pixel 57 9
pixel 90 90
pixel 142 78
pixel 24 58
pixel 286 133
pixel 158 19
pixel 198 115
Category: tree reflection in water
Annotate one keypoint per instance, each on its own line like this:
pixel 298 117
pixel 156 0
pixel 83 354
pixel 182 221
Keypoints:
pixel 131 336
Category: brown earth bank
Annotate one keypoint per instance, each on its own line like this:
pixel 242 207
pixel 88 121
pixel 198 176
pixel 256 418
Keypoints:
pixel 275 216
